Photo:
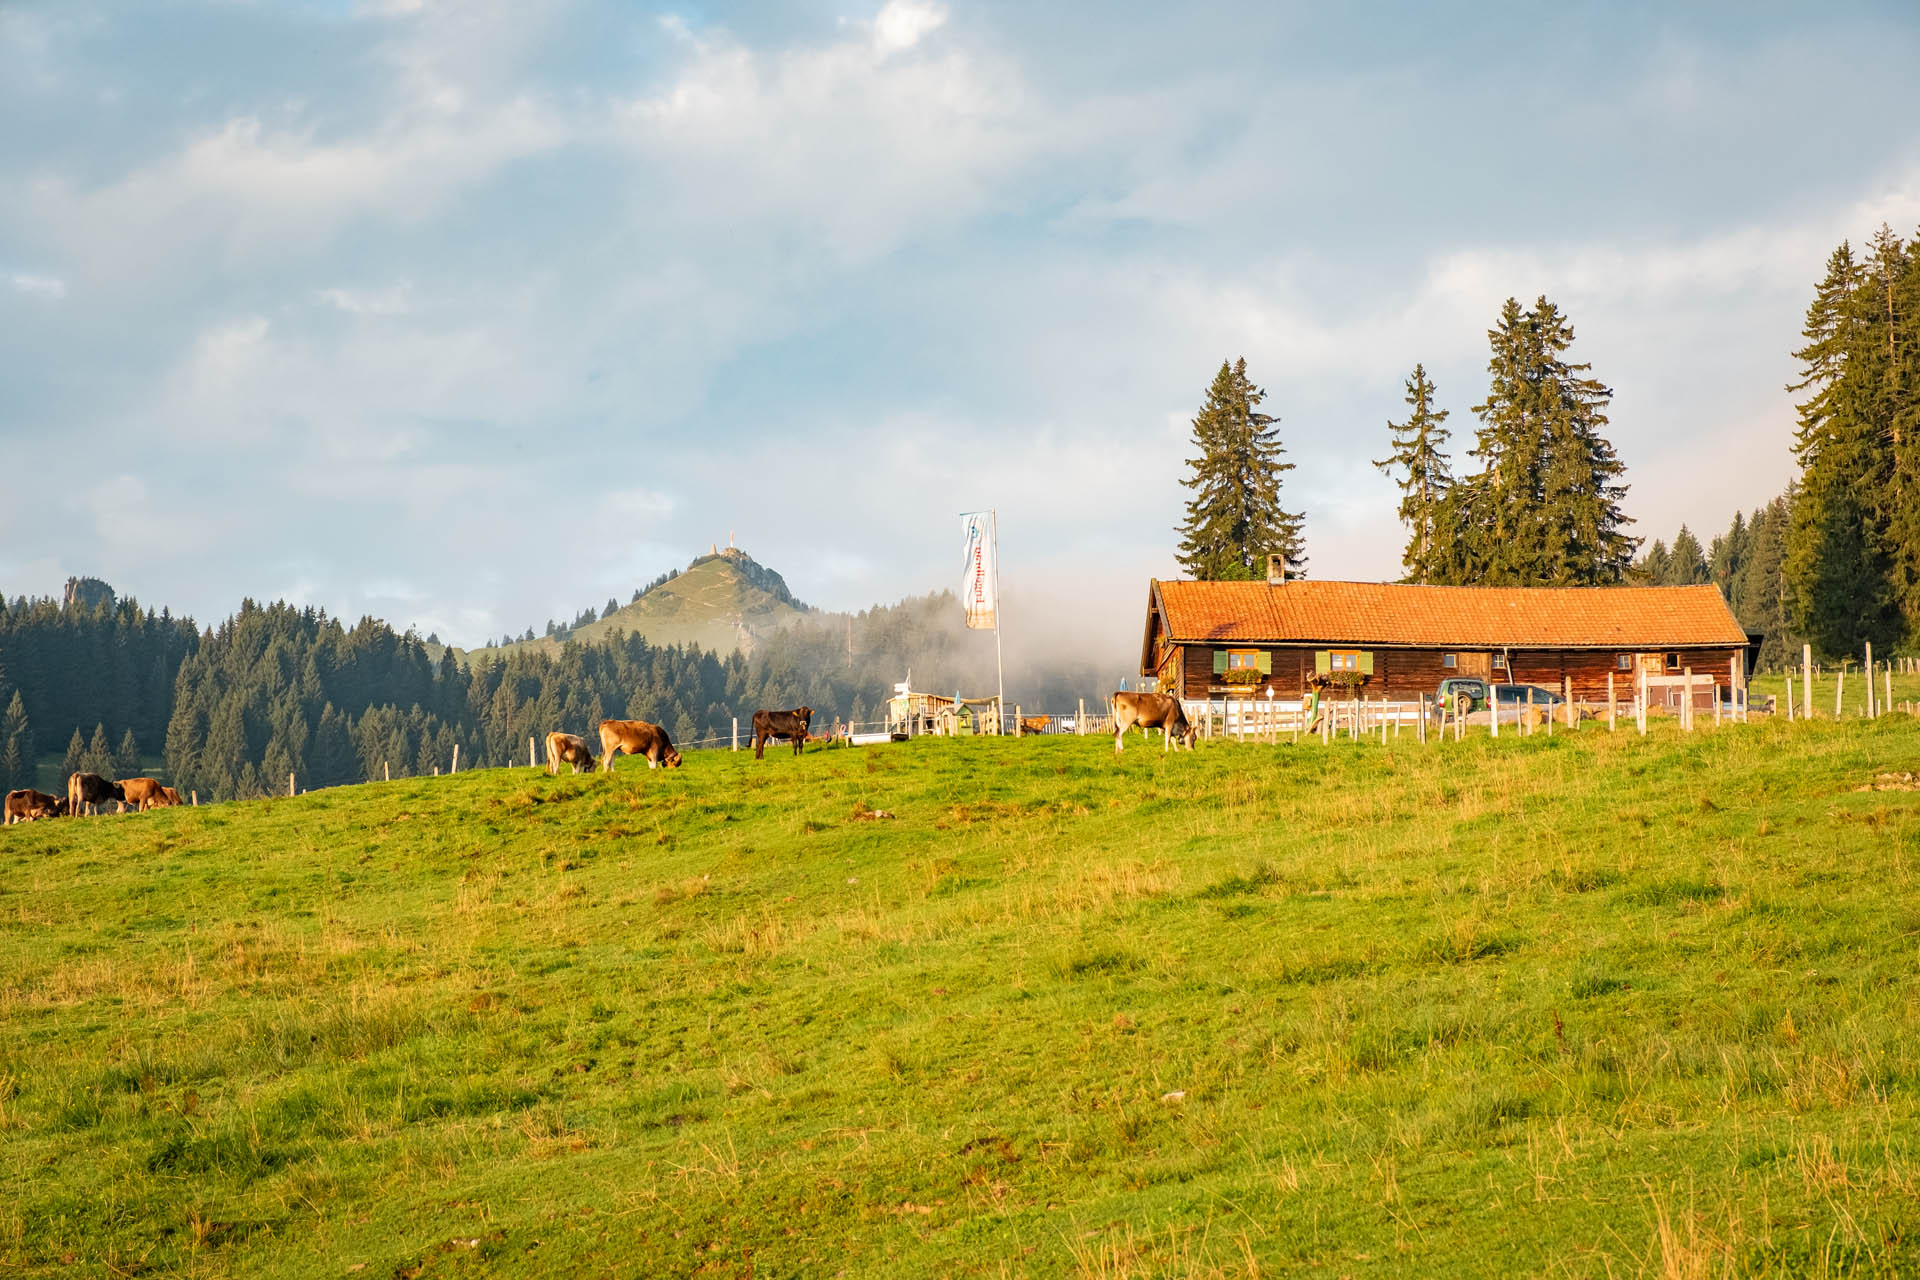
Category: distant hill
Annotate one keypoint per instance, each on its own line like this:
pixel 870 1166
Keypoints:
pixel 723 601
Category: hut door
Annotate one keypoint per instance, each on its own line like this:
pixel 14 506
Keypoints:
pixel 1475 664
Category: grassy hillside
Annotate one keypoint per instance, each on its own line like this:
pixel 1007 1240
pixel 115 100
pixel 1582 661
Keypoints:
pixel 720 603
pixel 1589 1006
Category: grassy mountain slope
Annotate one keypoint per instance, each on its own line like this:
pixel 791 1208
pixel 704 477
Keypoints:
pixel 1594 1005
pixel 721 602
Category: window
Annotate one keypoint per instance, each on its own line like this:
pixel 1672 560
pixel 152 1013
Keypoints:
pixel 1243 659
pixel 1673 662
pixel 1449 660
pixel 1623 662
pixel 1500 661
pixel 1343 660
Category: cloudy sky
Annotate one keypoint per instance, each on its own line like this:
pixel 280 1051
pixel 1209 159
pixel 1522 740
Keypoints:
pixel 468 315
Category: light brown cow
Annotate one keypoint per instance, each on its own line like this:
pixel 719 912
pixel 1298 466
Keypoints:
pixel 1160 711
pixel 568 748
pixel 147 793
pixel 27 804
pixel 85 791
pixel 636 738
pixel 172 796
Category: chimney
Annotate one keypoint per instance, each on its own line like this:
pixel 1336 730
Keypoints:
pixel 1276 570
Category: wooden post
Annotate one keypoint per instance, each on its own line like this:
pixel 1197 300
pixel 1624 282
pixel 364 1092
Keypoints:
pixel 436 771
pixel 1610 708
pixel 386 769
pixel 1080 721
pixel 290 790
pixel 1789 697
pixel 1806 679
pixel 1869 671
pixel 1640 703
pixel 456 759
pixel 1493 710
pixel 1420 732
pixel 1686 700
pixel 530 763
pixel 736 733
pixel 1887 678
pixel 1716 701
pixel 1566 695
pixel 1019 729
pixel 1839 688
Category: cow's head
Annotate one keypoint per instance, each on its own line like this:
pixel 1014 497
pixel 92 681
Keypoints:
pixel 671 759
pixel 805 714
pixel 170 795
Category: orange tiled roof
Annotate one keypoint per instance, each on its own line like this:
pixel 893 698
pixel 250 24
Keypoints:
pixel 1390 613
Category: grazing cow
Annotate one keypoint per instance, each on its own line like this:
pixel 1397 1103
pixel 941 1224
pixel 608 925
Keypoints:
pixel 568 748
pixel 171 796
pixel 636 738
pixel 146 793
pixel 86 791
pixel 1160 711
pixel 27 804
pixel 780 724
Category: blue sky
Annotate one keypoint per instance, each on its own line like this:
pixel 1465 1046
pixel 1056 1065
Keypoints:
pixel 470 314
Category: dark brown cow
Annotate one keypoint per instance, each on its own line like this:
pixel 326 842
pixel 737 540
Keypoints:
pixel 87 790
pixel 780 724
pixel 568 748
pixel 636 738
pixel 1160 711
pixel 27 804
pixel 147 793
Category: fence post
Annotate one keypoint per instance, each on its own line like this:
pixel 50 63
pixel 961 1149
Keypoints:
pixel 1839 688
pixel 1640 703
pixel 387 770
pixel 1869 673
pixel 1716 700
pixel 1887 677
pixel 456 759
pixel 1610 710
pixel 290 790
pixel 530 763
pixel 196 799
pixel 1080 721
pixel 1493 710
pixel 736 733
pixel 1806 679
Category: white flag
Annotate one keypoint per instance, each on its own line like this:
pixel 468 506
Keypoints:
pixel 977 591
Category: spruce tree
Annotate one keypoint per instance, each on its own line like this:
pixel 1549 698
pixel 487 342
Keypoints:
pixel 1547 497
pixel 76 756
pixel 1235 520
pixel 1840 565
pixel 126 760
pixel 1687 564
pixel 1654 567
pixel 16 736
pixel 15 771
pixel 1417 455
pixel 99 754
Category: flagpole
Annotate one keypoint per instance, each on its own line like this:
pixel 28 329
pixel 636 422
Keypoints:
pixel 999 608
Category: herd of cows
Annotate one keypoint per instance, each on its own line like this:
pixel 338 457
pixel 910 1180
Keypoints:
pixel 87 793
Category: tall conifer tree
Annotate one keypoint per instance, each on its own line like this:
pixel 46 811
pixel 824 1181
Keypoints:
pixel 1417 456
pixel 1235 519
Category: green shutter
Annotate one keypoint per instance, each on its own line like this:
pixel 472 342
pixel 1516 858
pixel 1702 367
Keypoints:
pixel 1266 662
pixel 1219 662
pixel 1322 664
pixel 1366 664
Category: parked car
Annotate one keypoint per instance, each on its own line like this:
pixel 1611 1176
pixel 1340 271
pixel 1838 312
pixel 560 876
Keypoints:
pixel 1516 695
pixel 1463 694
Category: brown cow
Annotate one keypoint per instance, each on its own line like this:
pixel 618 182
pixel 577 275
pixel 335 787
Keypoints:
pixel 172 797
pixel 147 793
pixel 85 791
pixel 27 804
pixel 1160 711
pixel 636 738
pixel 791 725
pixel 568 748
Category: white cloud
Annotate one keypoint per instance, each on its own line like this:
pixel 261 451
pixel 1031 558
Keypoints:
pixel 901 24
pixel 51 288
pixel 393 301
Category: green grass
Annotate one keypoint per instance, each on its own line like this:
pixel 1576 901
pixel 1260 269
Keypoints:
pixel 1594 1005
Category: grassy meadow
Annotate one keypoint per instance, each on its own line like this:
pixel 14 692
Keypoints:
pixel 1595 1005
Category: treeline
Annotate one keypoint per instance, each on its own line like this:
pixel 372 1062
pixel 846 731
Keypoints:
pixel 1748 564
pixel 1853 542
pixel 280 690
pixel 98 665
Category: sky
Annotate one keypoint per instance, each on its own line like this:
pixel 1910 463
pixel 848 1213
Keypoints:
pixel 471 315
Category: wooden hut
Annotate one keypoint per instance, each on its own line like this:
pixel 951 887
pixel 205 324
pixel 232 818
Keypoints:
pixel 1394 641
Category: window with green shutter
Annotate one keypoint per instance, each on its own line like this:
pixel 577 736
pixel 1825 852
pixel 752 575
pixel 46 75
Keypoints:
pixel 1266 662
pixel 1322 662
pixel 1366 664
pixel 1219 662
